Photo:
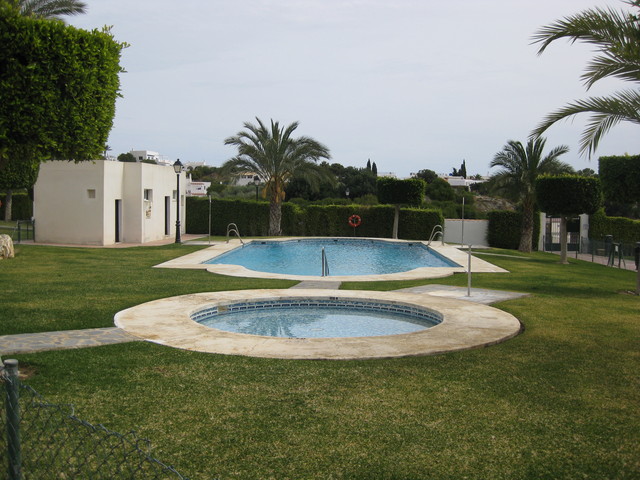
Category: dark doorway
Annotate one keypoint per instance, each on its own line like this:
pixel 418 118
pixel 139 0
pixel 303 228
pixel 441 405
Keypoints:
pixel 118 220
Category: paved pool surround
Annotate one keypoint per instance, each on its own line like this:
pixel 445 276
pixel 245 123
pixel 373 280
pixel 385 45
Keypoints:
pixel 465 325
pixel 194 261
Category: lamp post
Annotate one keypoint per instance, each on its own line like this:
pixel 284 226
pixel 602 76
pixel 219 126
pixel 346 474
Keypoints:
pixel 256 182
pixel 346 192
pixel 177 167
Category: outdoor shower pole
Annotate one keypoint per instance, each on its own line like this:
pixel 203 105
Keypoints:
pixel 209 220
pixel 469 274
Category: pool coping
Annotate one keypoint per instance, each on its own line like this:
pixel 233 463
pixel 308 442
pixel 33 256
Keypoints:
pixel 194 261
pixel 465 325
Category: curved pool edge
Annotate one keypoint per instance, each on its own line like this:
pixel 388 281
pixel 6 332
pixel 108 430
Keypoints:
pixel 194 261
pixel 465 325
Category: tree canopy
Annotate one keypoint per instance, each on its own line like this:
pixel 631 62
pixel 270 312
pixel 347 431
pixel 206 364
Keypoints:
pixel 58 86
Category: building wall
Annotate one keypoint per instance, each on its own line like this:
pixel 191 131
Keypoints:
pixel 76 203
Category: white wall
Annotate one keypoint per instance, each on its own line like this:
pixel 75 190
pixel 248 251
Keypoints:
pixel 475 232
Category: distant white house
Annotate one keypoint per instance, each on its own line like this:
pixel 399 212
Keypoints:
pixel 460 181
pixel 245 178
pixel 150 155
pixel 104 202
pixel 196 189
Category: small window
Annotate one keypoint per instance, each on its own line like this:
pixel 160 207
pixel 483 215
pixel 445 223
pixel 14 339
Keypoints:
pixel 148 194
pixel 91 193
pixel 174 195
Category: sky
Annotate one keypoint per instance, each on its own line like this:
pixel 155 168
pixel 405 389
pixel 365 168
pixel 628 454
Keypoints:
pixel 408 84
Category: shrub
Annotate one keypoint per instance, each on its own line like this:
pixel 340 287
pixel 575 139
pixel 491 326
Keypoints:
pixel 505 229
pixel 623 229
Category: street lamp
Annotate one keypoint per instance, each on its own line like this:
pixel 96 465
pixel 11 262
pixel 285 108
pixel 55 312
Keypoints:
pixel 256 182
pixel 346 192
pixel 177 167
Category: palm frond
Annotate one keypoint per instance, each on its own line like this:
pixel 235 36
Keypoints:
pixel 606 112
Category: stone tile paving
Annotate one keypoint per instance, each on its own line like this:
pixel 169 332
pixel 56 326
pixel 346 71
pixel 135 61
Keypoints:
pixel 40 342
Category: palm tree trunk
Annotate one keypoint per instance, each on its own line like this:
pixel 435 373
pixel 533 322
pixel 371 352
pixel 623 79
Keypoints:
pixel 275 217
pixel 396 221
pixel 526 236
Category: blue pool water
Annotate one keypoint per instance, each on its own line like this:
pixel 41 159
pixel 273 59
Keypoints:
pixel 344 257
pixel 318 318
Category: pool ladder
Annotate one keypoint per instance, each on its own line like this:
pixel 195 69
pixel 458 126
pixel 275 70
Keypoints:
pixel 325 264
pixel 233 228
pixel 437 230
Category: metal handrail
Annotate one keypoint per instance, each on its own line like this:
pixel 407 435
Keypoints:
pixel 233 228
pixel 437 230
pixel 325 264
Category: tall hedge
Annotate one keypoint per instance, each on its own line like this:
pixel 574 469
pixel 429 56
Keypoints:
pixel 505 229
pixel 252 219
pixel 620 177
pixel 58 86
pixel 400 192
pixel 623 229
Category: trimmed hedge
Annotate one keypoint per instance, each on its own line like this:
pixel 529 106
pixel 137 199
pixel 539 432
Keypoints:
pixel 623 229
pixel 252 219
pixel 21 206
pixel 505 229
pixel 620 177
pixel 568 194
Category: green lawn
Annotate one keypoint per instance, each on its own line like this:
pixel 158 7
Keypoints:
pixel 560 401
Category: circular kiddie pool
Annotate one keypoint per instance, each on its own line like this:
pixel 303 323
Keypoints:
pixel 435 325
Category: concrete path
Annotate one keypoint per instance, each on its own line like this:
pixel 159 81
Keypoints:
pixel 40 342
pixel 62 340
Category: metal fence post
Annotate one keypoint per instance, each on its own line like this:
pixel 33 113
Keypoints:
pixel 12 386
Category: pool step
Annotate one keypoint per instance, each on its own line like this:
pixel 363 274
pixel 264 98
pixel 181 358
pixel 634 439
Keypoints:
pixel 319 284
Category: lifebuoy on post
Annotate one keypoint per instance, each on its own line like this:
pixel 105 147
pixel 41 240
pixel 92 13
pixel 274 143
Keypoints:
pixel 355 221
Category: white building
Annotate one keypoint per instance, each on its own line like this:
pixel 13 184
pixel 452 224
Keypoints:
pixel 103 203
pixel 150 155
pixel 196 189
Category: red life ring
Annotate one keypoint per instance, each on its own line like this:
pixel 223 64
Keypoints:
pixel 355 221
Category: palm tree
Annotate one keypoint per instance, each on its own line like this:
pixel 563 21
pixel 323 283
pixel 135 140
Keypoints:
pixel 617 36
pixel 51 9
pixel 275 157
pixel 520 167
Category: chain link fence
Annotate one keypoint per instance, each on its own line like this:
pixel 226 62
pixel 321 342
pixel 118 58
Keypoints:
pixel 42 441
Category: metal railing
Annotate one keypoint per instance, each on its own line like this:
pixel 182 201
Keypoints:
pixel 46 441
pixel 233 228
pixel 325 264
pixel 22 230
pixel 435 231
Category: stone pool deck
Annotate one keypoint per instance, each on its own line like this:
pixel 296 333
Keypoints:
pixel 61 340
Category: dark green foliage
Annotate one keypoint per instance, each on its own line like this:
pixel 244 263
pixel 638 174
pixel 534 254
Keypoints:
pixel 568 194
pixel 620 177
pixel 21 208
pixel 16 175
pixel 58 86
pixel 440 190
pixel 427 175
pixel 400 192
pixel 316 220
pixel 505 229
pixel 623 230
pixel 127 157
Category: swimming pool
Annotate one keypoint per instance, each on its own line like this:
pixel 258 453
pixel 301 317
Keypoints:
pixel 318 318
pixel 343 257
